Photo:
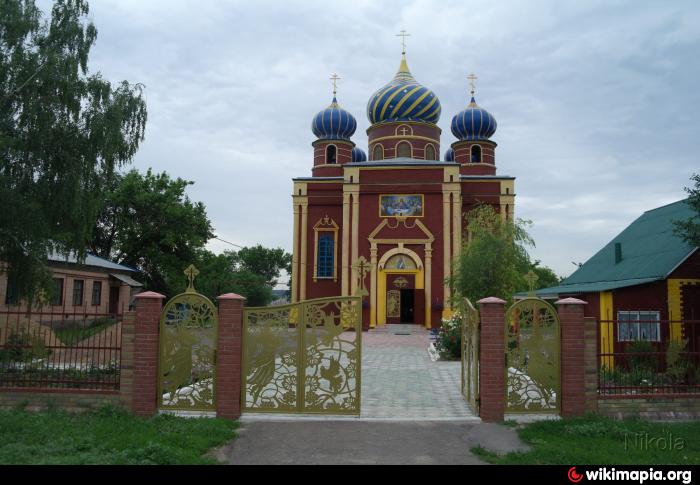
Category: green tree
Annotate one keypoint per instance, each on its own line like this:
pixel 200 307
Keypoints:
pixel 63 132
pixel 689 229
pixel 250 272
pixel 546 277
pixel 492 261
pixel 266 262
pixel 148 222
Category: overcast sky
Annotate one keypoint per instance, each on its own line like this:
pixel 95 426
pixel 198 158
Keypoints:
pixel 597 103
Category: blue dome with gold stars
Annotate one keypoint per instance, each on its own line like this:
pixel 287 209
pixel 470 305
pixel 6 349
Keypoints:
pixel 358 155
pixel 404 99
pixel 450 155
pixel 334 123
pixel 473 123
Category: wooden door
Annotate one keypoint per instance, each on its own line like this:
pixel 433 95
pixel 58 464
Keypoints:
pixel 419 307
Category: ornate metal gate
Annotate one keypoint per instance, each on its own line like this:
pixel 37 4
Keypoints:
pixel 470 355
pixel 532 357
pixel 187 372
pixel 304 357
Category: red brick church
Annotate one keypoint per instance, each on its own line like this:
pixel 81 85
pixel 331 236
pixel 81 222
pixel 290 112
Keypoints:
pixel 402 208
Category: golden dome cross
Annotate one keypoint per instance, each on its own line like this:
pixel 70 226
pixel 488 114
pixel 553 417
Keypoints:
pixel 335 78
pixel 403 36
pixel 472 82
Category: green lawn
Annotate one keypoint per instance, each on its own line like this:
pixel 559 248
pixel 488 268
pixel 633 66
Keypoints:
pixel 108 436
pixel 598 440
pixel 74 332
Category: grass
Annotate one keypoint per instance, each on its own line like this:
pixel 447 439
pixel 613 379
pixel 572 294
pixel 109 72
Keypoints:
pixel 74 332
pixel 600 440
pixel 108 436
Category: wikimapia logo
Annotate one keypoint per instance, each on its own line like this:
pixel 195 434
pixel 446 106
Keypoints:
pixel 641 476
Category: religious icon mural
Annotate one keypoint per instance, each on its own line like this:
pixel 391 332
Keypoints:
pixel 401 206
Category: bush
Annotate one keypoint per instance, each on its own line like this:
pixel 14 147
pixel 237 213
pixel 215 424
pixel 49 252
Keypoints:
pixel 22 347
pixel 449 338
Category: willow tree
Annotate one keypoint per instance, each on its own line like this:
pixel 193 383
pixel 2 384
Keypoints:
pixel 494 258
pixel 63 133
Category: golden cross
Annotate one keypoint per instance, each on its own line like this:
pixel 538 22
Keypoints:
pixel 335 78
pixel 403 131
pixel 362 268
pixel 403 36
pixel 191 272
pixel 531 279
pixel 472 82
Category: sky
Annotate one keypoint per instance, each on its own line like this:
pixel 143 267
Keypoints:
pixel 597 102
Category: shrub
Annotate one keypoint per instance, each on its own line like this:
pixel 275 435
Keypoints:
pixel 22 347
pixel 449 339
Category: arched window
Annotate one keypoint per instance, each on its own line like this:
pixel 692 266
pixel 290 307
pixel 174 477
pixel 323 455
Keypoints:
pixel 430 152
pixel 476 154
pixel 378 152
pixel 403 150
pixel 331 154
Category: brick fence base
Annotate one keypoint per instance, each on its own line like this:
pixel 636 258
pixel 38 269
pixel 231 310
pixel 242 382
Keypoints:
pixel 63 399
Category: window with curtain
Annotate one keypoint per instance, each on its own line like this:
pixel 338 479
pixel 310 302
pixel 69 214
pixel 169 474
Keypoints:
pixel 78 287
pixel 638 326
pixel 57 296
pixel 11 295
pixel 325 255
pixel 97 293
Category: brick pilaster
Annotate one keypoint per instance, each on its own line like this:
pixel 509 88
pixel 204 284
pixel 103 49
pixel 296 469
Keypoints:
pixel 229 356
pixel 590 365
pixel 126 376
pixel 573 376
pixel 492 385
pixel 148 308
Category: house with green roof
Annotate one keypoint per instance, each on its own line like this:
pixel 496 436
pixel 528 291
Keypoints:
pixel 643 282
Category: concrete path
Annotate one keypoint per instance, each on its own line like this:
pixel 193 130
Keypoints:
pixel 364 442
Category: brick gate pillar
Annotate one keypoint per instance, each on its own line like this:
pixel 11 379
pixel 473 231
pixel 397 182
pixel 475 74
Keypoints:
pixel 229 356
pixel 492 369
pixel 145 376
pixel 573 375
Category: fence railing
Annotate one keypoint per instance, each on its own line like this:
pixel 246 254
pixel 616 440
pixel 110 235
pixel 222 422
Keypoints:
pixel 648 357
pixel 67 350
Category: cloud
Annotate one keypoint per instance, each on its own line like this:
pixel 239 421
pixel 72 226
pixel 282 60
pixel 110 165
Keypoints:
pixel 596 102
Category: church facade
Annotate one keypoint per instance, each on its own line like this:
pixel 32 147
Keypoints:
pixel 402 208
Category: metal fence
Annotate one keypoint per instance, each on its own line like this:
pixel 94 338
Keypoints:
pixel 64 350
pixel 648 357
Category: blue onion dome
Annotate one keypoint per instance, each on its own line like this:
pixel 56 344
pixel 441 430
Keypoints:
pixel 404 99
pixel 334 123
pixel 358 155
pixel 473 123
pixel 450 155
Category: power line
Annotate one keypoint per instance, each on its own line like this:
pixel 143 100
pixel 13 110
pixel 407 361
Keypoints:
pixel 227 242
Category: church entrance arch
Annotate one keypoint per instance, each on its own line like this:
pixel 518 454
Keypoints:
pixel 401 288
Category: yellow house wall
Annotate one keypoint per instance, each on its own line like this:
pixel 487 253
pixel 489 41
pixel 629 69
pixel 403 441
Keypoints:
pixel 675 304
pixel 606 329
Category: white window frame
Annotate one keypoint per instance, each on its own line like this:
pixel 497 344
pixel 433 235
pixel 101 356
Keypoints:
pixel 635 319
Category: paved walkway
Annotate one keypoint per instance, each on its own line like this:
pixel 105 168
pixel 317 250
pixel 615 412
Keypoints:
pixel 400 382
pixel 364 442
